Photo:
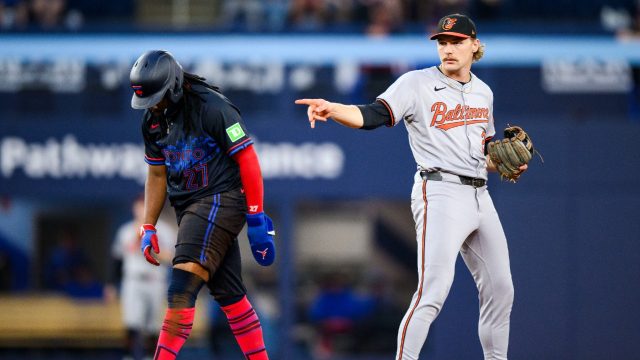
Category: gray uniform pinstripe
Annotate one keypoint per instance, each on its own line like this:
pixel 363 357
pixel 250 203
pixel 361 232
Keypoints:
pixel 448 124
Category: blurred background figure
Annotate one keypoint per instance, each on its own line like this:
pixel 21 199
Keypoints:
pixel 308 15
pixel 83 283
pixel 8 13
pixel 276 14
pixel 64 261
pixel 385 17
pixel 334 313
pixel 243 14
pixel 319 15
pixel 624 20
pixel 381 318
pixel 44 15
pixel 143 287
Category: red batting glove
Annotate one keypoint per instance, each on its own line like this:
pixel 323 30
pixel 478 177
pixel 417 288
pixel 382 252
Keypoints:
pixel 148 242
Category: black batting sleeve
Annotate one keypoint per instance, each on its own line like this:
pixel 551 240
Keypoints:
pixel 486 145
pixel 374 115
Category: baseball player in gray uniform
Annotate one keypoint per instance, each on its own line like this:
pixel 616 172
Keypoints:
pixel 143 287
pixel 448 113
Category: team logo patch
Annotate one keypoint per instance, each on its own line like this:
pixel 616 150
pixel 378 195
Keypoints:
pixel 449 23
pixel 235 132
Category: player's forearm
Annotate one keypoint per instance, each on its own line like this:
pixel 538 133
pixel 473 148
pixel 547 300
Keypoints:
pixel 155 192
pixel 347 115
pixel 251 178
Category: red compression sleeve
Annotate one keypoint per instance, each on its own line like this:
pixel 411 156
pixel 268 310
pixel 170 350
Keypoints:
pixel 176 328
pixel 246 327
pixel 251 178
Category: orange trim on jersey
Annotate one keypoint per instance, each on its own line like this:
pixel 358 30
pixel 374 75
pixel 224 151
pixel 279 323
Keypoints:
pixel 393 118
pixel 451 125
pixel 421 285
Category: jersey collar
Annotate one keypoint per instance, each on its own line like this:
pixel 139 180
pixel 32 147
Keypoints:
pixel 466 87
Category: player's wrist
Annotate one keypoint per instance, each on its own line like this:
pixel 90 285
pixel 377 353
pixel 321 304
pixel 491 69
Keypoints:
pixel 256 219
pixel 147 227
pixel 339 110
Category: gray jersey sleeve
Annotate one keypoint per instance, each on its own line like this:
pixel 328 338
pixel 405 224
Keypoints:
pixel 400 97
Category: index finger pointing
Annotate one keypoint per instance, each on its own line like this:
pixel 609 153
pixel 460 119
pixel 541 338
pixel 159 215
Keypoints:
pixel 305 101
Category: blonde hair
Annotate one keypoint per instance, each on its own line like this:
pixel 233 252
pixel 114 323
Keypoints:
pixel 479 53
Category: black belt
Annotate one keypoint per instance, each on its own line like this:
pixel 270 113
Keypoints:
pixel 464 180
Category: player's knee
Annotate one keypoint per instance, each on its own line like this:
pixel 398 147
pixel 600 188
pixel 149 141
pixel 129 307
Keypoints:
pixel 503 290
pixel 183 289
pixel 439 284
pixel 434 296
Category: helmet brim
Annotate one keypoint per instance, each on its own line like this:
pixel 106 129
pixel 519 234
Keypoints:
pixel 142 103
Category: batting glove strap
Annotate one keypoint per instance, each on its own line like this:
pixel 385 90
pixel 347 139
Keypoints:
pixel 147 227
pixel 148 242
pixel 260 232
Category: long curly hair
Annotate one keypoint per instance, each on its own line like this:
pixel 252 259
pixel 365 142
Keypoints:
pixel 193 98
pixel 479 53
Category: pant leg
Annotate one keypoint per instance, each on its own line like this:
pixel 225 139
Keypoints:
pixel 133 314
pixel 133 309
pixel 157 292
pixel 444 215
pixel 486 255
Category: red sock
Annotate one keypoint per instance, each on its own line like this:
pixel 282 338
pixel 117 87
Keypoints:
pixel 176 328
pixel 245 325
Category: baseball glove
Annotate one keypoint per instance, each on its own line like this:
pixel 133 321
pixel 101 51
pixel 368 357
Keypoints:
pixel 508 154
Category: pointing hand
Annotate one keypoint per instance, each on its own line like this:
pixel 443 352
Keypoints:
pixel 319 109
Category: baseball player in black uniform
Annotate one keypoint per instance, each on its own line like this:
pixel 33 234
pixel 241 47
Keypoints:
pixel 198 152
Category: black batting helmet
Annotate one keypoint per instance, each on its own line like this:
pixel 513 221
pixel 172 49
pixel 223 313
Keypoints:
pixel 153 75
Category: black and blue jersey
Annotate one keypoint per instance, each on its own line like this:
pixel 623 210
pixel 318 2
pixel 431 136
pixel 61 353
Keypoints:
pixel 197 156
